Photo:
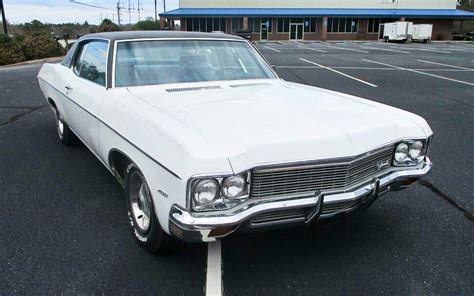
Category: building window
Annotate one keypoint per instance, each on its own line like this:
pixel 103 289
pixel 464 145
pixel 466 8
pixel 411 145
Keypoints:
pixel 205 24
pixel 373 24
pixel 343 25
pixel 310 25
pixel 283 25
pixel 237 24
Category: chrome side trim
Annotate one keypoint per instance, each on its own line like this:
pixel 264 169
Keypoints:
pixel 108 126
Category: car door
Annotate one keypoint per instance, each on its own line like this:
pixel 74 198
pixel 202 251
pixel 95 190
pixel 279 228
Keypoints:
pixel 87 88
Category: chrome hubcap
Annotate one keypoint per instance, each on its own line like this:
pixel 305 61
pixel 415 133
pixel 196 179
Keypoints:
pixel 141 206
pixel 60 125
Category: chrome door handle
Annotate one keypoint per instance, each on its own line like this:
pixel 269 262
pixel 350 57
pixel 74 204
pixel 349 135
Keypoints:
pixel 68 87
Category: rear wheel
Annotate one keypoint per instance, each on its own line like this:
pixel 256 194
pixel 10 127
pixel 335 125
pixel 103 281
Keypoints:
pixel 386 39
pixel 64 132
pixel 141 213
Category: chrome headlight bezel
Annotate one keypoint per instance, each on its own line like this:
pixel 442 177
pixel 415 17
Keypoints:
pixel 221 201
pixel 203 182
pixel 411 158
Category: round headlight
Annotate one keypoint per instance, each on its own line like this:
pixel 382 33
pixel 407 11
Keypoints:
pixel 416 149
pixel 205 191
pixel 234 186
pixel 401 152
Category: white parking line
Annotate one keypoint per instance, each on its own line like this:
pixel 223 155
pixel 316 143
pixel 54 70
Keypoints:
pixel 271 48
pixel 340 73
pixel 371 68
pixel 419 72
pixel 456 49
pixel 421 49
pixel 314 49
pixel 440 64
pixel 384 49
pixel 344 48
pixel 214 269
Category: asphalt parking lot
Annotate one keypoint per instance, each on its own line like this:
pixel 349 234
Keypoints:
pixel 64 227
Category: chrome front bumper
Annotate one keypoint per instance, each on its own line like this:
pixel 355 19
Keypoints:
pixel 210 226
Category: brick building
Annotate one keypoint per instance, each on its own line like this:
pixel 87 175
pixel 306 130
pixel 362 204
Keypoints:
pixel 314 19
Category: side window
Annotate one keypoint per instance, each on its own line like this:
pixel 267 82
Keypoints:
pixel 68 58
pixel 91 62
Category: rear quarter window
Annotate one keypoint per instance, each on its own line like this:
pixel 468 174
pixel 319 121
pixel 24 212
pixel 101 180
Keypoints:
pixel 68 58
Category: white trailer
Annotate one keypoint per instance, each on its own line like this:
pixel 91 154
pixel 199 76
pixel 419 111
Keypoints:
pixel 397 31
pixel 422 33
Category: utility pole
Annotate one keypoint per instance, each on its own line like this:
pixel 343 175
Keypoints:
pixel 129 13
pixel 156 15
pixel 138 10
pixel 118 12
pixel 164 5
pixel 4 20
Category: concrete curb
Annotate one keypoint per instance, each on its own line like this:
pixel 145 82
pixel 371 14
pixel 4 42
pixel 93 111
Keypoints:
pixel 45 60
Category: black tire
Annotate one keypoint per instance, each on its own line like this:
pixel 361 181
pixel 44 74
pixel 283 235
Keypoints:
pixel 151 238
pixel 66 136
pixel 386 39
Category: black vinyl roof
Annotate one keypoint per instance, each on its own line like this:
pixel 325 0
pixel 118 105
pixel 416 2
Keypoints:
pixel 112 36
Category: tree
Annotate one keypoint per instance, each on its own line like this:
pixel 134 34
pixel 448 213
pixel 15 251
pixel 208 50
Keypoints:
pixel 466 5
pixel 85 24
pixel 148 24
pixel 107 26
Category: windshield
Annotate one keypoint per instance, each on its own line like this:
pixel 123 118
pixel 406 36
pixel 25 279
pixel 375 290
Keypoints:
pixel 176 61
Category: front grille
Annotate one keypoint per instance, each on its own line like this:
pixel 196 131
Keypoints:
pixel 308 179
pixel 286 216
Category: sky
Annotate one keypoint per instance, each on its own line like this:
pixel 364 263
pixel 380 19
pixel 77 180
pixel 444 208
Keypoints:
pixel 65 11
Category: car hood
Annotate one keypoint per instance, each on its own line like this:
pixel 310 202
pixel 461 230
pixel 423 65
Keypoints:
pixel 273 121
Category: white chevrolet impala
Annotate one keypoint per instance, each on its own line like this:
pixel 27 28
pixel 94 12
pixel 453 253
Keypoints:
pixel 206 139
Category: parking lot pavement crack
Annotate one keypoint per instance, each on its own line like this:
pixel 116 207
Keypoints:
pixel 20 115
pixel 448 198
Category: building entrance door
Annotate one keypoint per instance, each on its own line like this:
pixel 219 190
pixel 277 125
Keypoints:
pixel 263 32
pixel 296 31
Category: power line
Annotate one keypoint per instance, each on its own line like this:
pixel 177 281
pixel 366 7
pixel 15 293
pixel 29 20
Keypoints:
pixel 90 5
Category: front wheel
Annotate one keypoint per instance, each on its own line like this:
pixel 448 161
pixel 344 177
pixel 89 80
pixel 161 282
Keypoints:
pixel 141 213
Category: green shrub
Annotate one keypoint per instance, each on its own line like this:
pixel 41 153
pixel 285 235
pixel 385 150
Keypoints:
pixel 41 45
pixel 107 26
pixel 148 24
pixel 4 38
pixel 10 52
pixel 19 38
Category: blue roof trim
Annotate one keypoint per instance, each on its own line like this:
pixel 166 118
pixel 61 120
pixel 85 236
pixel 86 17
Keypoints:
pixel 237 12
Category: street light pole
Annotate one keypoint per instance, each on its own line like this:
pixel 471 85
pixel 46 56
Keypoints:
pixel 4 21
pixel 164 5
pixel 156 15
